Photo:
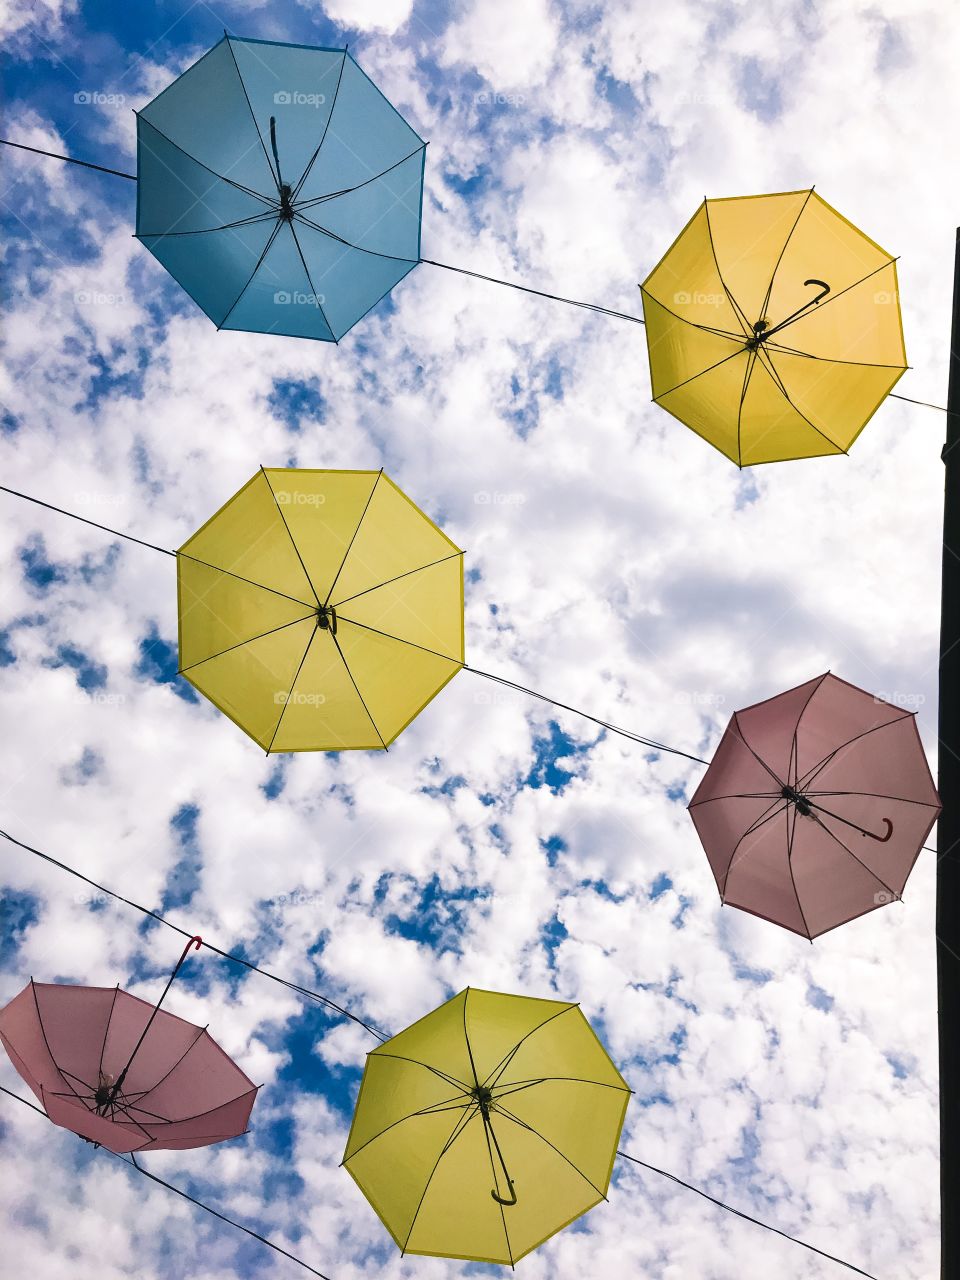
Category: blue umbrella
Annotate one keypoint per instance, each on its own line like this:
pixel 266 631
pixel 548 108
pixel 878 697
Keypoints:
pixel 280 188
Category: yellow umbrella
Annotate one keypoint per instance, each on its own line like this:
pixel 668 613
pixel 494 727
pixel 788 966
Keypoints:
pixel 773 327
pixel 487 1126
pixel 320 610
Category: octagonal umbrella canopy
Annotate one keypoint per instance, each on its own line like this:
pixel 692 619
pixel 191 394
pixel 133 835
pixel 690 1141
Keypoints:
pixel 815 806
pixel 279 187
pixel 123 1073
pixel 320 610
pixel 487 1126
pixel 773 327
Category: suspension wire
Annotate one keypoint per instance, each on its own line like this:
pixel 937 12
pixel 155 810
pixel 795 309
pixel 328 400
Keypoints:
pixel 487 675
pixel 325 1001
pixel 746 1216
pixel 925 403
pixel 540 293
pixel 604 724
pixel 69 159
pixel 83 520
pixel 132 1163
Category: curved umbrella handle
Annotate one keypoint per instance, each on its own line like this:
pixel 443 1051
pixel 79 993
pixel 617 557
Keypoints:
pixel 504 1200
pixel 882 839
pixel 195 941
pixel 824 290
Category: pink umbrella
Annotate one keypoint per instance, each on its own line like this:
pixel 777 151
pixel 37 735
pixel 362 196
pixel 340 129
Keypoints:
pixel 122 1073
pixel 815 806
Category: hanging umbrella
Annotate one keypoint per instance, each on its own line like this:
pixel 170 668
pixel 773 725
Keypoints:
pixel 815 806
pixel 280 188
pixel 487 1126
pixel 122 1073
pixel 320 610
pixel 773 327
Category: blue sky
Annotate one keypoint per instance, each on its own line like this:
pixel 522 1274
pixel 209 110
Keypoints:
pixel 613 560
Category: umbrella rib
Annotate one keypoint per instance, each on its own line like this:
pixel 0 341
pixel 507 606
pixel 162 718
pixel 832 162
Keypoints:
pixel 751 362
pixel 240 578
pixel 791 836
pixel 809 355
pixel 346 191
pixel 240 643
pixel 340 603
pixel 208 1111
pixel 323 136
pixel 256 126
pixel 736 795
pixel 43 1032
pixel 145 1093
pixel 694 324
pixel 266 249
pixel 488 1134
pixel 292 687
pixel 498 1070
pixel 435 1109
pixel 515 1086
pixel 257 195
pixel 537 1134
pixel 767 362
pixel 359 694
pixel 313 287
pixel 759 760
pixel 834 296
pixel 106 1029
pixel 738 312
pixel 203 231
pixel 869 870
pixel 359 248
pixel 458 1129
pixel 876 795
pixel 442 1075
pixel 765 817
pixel 766 300
pixel 466 1036
pixel 809 776
pixel 693 377
pixel 353 539
pixel 794 749
pixel 290 535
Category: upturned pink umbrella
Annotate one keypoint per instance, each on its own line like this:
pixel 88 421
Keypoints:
pixel 815 806
pixel 122 1073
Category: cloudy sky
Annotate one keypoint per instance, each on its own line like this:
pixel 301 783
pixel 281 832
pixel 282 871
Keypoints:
pixel 613 560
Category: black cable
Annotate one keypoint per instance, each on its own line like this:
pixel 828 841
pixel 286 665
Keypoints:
pixel 925 403
pixel 83 520
pixel 625 733
pixel 69 159
pixel 746 1216
pixel 192 1199
pixel 540 293
pixel 325 1001
pixel 510 684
